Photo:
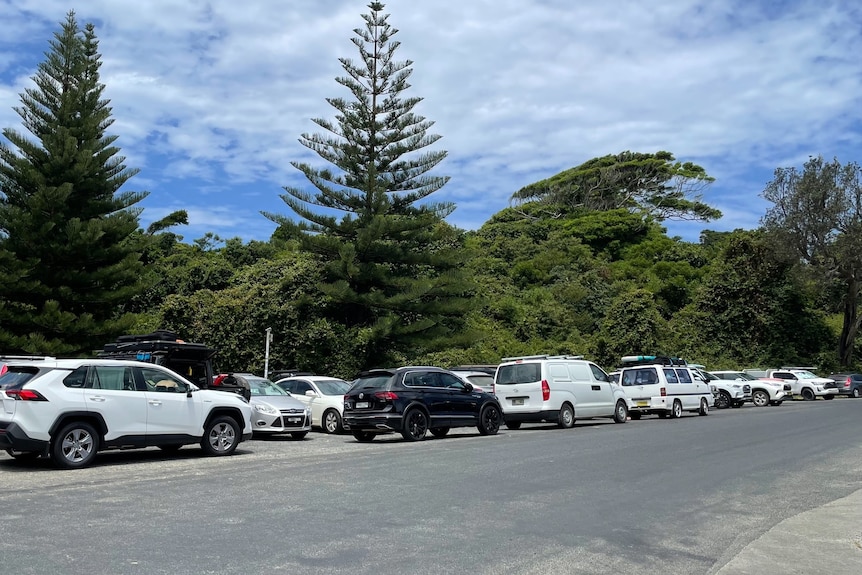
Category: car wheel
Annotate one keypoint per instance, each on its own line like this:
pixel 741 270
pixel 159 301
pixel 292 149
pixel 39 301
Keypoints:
pixel 736 404
pixel 828 397
pixel 439 431
pixel 363 436
pixel 856 392
pixel 298 434
pixel 635 415
pixel 332 421
pixel 723 400
pixel 489 420
pixel 759 398
pixel 807 394
pixel 24 455
pixel 415 425
pixel 170 448
pixel 566 419
pixel 75 446
pixel 221 436
pixel 513 425
pixel 704 407
pixel 676 411
pixel 621 412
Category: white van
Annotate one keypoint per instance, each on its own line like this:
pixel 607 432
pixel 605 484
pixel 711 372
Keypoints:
pixel 665 388
pixel 556 388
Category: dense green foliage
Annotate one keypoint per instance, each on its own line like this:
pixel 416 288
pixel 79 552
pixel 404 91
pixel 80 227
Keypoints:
pixel 65 230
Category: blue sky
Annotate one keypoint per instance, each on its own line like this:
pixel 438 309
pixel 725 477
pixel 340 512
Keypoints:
pixel 209 98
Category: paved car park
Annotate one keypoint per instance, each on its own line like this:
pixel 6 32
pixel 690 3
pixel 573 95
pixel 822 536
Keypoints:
pixel 655 496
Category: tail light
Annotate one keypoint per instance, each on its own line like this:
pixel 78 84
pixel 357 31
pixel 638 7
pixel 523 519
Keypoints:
pixel 386 395
pixel 25 395
pixel 546 390
pixel 847 383
pixel 664 392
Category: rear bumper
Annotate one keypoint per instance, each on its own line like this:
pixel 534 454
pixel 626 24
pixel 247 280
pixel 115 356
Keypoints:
pixel 531 416
pixel 372 422
pixel 14 438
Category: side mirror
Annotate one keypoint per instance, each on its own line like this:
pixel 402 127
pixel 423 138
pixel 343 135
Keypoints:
pixel 310 393
pixel 468 387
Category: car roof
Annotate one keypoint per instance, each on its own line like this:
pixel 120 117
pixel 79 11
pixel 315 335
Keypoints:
pixel 312 377
pixel 75 363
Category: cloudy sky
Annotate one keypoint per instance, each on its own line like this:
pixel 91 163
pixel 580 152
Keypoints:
pixel 210 97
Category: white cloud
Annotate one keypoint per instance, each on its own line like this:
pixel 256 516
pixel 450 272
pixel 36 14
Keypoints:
pixel 210 98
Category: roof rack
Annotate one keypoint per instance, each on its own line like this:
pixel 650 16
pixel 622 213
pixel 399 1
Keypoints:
pixel 633 360
pixel 521 358
pixel 28 357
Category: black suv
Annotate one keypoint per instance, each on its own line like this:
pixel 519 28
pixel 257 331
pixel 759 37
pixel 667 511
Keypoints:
pixel 414 400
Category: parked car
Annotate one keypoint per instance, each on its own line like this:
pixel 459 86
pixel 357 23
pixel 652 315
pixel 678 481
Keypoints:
pixel 665 387
pixel 727 393
pixel 805 383
pixel 557 389
pixel 479 379
pixel 848 383
pixel 414 400
pixel 324 395
pixel 763 391
pixel 70 409
pixel 275 410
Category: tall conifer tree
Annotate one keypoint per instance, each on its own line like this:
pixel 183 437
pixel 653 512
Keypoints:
pixel 392 262
pixel 65 229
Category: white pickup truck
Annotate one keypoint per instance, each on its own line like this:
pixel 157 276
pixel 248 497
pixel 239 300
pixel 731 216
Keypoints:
pixel 804 383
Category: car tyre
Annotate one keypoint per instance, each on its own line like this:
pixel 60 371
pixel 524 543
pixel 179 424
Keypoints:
pixel 777 403
pixel 635 415
pixel 489 420
pixel 298 434
pixel 221 436
pixel 759 398
pixel 807 394
pixel 332 421
pixel 621 412
pixel 736 404
pixel 75 446
pixel 856 392
pixel 704 407
pixel 363 436
pixel 513 425
pixel 566 419
pixel 439 431
pixel 415 424
pixel 676 410
pixel 723 400
pixel 828 397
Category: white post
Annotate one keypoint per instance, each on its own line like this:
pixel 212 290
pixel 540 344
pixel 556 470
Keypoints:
pixel 266 357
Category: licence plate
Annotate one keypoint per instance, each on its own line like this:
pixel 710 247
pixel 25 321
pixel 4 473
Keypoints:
pixel 294 420
pixel 361 405
pixel 643 404
pixel 518 401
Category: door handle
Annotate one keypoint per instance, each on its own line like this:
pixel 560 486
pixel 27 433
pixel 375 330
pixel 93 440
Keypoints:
pixel 597 388
pixel 154 402
pixel 97 398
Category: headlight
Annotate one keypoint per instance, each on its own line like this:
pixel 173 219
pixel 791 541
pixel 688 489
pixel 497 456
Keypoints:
pixel 265 408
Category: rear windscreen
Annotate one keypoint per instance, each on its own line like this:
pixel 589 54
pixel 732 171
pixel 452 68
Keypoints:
pixel 372 381
pixel 17 376
pixel 519 373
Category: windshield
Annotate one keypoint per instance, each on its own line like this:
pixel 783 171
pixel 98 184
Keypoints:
pixel 332 386
pixel 264 387
pixel 481 380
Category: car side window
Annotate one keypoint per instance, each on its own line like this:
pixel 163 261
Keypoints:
pixel 161 381
pixel 670 375
pixel 420 379
pixel 598 373
pixel 450 381
pixel 288 386
pixel 684 376
pixel 646 376
pixel 112 377
pixel 301 387
pixel 77 378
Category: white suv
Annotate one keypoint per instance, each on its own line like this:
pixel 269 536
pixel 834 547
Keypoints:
pixel 556 389
pixel 69 409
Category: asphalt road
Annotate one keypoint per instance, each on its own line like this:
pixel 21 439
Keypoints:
pixel 649 496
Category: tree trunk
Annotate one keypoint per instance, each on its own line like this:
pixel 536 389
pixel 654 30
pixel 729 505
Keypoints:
pixel 851 323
